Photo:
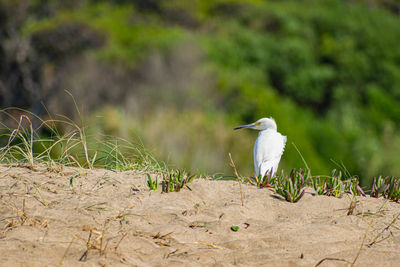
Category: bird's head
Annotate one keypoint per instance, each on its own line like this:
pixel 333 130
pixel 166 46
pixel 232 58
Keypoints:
pixel 261 124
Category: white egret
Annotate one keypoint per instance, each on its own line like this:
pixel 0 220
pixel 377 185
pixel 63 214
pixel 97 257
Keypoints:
pixel 268 147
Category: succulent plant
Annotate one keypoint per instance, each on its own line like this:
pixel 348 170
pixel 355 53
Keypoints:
pixel 388 187
pixel 336 185
pixel 267 181
pixel 393 191
pixel 174 181
pixel 292 187
pixel 151 185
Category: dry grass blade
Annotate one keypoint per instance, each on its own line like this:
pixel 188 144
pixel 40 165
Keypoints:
pixel 238 178
pixel 362 243
pixel 22 218
pixel 94 242
pixel 344 260
pixel 352 206
pixel 375 240
pixel 24 149
pixel 160 236
pixel 34 185
pixel 82 134
pixel 209 245
pixel 330 259
pixel 28 144
pixel 88 248
pixel 40 194
pixel 119 242
pixel 97 206
pixel 66 251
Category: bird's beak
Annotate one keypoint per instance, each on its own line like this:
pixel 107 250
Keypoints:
pixel 245 126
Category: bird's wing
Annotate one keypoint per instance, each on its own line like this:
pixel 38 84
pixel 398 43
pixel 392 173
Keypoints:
pixel 268 150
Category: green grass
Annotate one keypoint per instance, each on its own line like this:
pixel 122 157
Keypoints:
pixel 68 143
pixel 151 184
pixel 175 180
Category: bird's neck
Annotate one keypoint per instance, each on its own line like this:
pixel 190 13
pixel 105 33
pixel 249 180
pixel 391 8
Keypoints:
pixel 269 130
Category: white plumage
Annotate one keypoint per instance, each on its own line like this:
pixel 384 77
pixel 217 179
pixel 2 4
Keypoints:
pixel 269 146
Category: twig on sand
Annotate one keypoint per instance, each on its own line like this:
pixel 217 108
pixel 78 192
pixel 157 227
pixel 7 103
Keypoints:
pixel 374 241
pixel 66 251
pixel 362 244
pixel 119 242
pixel 352 206
pixel 331 259
pixel 209 244
pixel 357 255
pixel 89 246
pixel 238 178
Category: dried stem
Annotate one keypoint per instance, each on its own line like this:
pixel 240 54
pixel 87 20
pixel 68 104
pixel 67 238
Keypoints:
pixel 238 178
pixel 330 259
pixel 383 230
pixel 362 244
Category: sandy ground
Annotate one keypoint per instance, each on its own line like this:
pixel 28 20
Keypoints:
pixel 109 218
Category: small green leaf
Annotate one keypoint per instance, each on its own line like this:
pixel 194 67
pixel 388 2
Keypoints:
pixel 235 228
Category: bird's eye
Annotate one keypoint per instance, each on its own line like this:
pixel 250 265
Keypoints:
pixel 257 123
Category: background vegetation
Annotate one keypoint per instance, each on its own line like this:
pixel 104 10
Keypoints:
pixel 179 75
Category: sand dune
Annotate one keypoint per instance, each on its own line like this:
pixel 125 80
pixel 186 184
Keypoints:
pixel 110 219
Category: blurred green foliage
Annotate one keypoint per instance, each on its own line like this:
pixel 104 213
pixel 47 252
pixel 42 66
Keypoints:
pixel 327 71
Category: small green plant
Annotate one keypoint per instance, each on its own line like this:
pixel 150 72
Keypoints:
pixel 175 180
pixel 354 188
pixel 388 187
pixel 336 185
pixel 393 191
pixel 333 185
pixel 151 185
pixel 292 187
pixel 319 184
pixel 267 181
pixel 379 187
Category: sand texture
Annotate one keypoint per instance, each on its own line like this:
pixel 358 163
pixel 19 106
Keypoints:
pixel 75 217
